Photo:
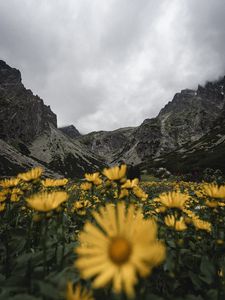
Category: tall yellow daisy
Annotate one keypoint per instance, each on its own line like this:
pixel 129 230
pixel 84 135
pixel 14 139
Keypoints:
pixel 214 191
pixel 8 183
pixel 115 173
pixel 122 246
pixel 173 199
pixel 48 182
pixel 33 174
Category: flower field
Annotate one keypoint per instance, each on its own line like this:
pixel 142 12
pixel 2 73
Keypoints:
pixel 109 237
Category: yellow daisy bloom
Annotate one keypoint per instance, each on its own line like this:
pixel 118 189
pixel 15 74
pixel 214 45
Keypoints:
pixel 8 183
pixel 130 184
pixel 123 193
pixel 92 177
pixel 86 186
pixel 2 207
pixel 173 199
pixel 200 224
pixel 33 174
pixel 115 173
pixel 178 225
pixel 138 192
pixel 54 182
pixel 78 293
pixel 124 245
pixel 47 201
pixel 214 191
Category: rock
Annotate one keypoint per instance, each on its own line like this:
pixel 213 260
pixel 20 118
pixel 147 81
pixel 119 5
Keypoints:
pixel 29 130
pixel 70 131
pixel 23 116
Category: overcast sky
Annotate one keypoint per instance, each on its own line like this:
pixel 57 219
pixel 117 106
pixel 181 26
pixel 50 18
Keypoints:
pixel 105 64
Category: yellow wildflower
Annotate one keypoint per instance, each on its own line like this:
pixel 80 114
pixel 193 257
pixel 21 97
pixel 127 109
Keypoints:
pixel 123 193
pixel 214 191
pixel 78 293
pixel 178 225
pixel 173 199
pixel 115 173
pixel 47 201
pixel 200 224
pixel 92 177
pixel 130 184
pixel 138 192
pixel 86 186
pixel 8 183
pixel 54 182
pixel 33 174
pixel 124 245
pixel 2 206
pixel 2 196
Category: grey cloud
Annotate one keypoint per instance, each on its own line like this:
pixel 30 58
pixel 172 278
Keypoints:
pixel 106 64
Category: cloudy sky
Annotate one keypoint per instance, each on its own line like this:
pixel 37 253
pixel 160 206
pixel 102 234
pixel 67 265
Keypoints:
pixel 104 64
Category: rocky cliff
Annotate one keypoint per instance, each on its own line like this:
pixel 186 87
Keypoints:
pixel 70 131
pixel 188 117
pixel 29 135
pixel 23 116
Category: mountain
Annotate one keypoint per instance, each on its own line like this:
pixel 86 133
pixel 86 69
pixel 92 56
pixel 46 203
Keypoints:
pixel 70 131
pixel 206 152
pixel 29 135
pixel 187 118
pixel 188 133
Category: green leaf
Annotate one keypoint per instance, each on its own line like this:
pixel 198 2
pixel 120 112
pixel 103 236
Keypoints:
pixel 207 270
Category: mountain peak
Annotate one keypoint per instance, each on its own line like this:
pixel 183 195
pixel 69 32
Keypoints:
pixel 70 131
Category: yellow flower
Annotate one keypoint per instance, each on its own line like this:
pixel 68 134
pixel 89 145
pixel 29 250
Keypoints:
pixel 178 225
pixel 211 204
pixel 85 186
pixel 78 293
pixel 54 182
pixel 2 206
pixel 47 201
pixel 92 177
pixel 122 245
pixel 129 184
pixel 3 196
pixel 173 199
pixel 115 173
pixel 97 181
pixel 8 183
pixel 123 193
pixel 214 191
pixel 138 192
pixel 200 224
pixel 33 174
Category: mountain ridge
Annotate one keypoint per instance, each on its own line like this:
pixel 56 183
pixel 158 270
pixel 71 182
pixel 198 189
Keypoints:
pixel 29 127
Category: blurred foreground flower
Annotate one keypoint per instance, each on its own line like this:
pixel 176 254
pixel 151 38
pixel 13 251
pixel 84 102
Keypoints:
pixel 125 245
pixel 78 293
pixel 47 201
pixel 33 174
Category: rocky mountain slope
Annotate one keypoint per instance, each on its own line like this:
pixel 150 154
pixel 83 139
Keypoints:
pixel 206 152
pixel 187 118
pixel 188 131
pixel 29 133
pixel 70 131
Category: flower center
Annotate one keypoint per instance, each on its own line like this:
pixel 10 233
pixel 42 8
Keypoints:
pixel 119 250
